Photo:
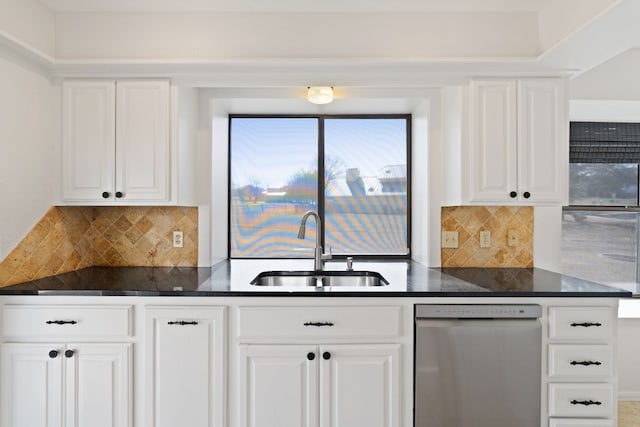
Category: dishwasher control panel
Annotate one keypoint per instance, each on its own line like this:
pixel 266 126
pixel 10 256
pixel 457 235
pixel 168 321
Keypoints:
pixel 478 311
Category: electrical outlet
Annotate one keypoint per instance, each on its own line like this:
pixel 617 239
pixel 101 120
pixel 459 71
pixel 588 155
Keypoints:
pixel 513 238
pixel 178 239
pixel 449 239
pixel 485 239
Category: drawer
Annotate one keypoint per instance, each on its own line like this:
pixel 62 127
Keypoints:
pixel 319 322
pixel 585 400
pixel 580 361
pixel 568 422
pixel 581 323
pixel 60 321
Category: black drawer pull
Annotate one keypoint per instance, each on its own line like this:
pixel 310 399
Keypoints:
pixel 61 322
pixel 586 324
pixel 311 355
pixel 585 363
pixel 182 323
pixel 53 354
pixel 585 402
pixel 326 355
pixel 318 324
pixel 68 354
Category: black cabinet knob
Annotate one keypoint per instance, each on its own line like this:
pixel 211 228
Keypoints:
pixel 53 354
pixel 105 195
pixel 119 194
pixel 326 355
pixel 68 353
pixel 513 194
pixel 526 194
pixel 311 355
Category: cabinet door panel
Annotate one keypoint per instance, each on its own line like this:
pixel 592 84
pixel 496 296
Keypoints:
pixel 185 366
pixel 142 140
pixel 493 156
pixel 31 385
pixel 98 386
pixel 279 386
pixel 360 385
pixel 542 140
pixel 88 133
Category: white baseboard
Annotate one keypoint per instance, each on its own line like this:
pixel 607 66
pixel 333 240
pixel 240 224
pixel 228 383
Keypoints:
pixel 629 396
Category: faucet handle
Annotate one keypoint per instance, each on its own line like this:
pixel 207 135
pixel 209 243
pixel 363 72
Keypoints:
pixel 349 263
pixel 328 255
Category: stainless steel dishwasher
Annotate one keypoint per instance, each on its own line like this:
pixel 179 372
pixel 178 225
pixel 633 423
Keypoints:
pixel 477 365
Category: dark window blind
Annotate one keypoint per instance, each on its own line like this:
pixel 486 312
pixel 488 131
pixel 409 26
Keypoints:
pixel 604 142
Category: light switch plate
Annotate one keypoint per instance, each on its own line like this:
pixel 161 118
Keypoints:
pixel 449 239
pixel 513 238
pixel 485 239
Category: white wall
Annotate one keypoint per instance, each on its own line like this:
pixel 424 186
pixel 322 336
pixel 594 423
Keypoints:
pixel 629 349
pixel 29 23
pixel 421 215
pixel 616 79
pixel 560 19
pixel 295 35
pixel 29 138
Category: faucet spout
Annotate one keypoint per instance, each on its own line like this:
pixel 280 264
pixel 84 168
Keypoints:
pixel 318 255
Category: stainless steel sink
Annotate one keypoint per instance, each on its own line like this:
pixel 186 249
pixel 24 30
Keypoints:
pixel 319 278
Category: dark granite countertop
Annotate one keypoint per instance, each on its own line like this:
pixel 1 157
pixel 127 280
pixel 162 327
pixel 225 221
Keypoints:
pixel 232 278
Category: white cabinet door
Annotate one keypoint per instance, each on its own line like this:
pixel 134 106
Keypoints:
pixel 543 149
pixel 142 140
pixel 360 385
pixel 279 385
pixel 492 148
pixel 98 386
pixel 31 385
pixel 86 385
pixel 88 133
pixel 518 141
pixel 185 366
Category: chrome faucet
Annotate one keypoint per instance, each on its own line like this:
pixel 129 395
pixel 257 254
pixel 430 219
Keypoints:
pixel 318 257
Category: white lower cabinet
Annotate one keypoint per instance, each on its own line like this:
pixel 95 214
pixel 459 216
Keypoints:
pixel 320 385
pixel 581 366
pixel 586 400
pixel 185 366
pixel 70 385
pixel 279 385
pixel 360 385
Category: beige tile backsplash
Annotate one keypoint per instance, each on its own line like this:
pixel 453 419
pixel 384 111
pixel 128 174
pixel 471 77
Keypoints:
pixel 468 221
pixel 70 238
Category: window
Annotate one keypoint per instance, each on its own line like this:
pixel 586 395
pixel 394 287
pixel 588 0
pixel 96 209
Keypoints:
pixel 600 229
pixel 352 170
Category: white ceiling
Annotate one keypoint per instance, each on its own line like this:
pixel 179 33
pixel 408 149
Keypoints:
pixel 427 6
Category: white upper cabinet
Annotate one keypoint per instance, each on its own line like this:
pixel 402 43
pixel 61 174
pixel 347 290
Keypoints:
pixel 116 142
pixel 142 140
pixel 89 126
pixel 518 141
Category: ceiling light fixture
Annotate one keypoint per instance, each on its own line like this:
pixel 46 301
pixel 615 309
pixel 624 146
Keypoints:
pixel 320 94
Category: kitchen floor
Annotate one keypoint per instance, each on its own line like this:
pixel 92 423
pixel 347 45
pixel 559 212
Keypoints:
pixel 628 414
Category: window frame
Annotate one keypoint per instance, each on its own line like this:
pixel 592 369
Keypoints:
pixel 321 189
